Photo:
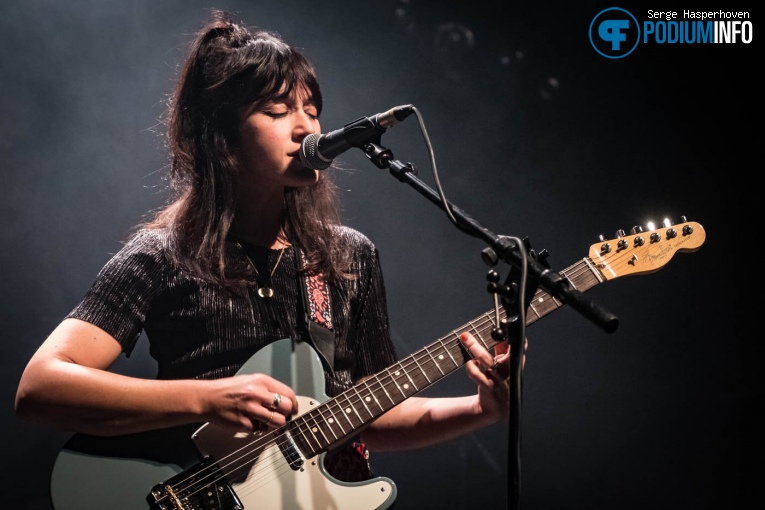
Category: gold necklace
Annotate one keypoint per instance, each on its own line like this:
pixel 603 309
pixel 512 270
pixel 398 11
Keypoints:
pixel 265 290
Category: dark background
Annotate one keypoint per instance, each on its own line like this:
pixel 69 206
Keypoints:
pixel 535 135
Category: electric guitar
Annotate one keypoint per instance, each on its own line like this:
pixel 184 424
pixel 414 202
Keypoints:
pixel 208 467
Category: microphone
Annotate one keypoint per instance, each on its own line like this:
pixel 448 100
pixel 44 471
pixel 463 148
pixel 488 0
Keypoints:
pixel 318 151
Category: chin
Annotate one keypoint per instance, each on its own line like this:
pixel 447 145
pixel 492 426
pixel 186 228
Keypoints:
pixel 303 176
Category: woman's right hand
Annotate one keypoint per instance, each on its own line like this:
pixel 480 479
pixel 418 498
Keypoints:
pixel 252 402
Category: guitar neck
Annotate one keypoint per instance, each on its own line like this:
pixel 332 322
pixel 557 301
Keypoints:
pixel 340 417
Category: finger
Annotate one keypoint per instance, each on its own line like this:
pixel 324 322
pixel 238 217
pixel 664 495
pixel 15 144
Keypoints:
pixel 267 394
pixel 281 398
pixel 282 405
pixel 477 351
pixel 501 348
pixel 268 419
pixel 478 375
pixel 502 369
pixel 277 401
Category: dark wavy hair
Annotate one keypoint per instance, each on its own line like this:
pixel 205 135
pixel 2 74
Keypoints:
pixel 229 66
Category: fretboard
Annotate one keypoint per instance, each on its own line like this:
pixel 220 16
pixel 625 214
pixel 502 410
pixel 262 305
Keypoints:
pixel 340 417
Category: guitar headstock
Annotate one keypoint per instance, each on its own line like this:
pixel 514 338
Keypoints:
pixel 645 252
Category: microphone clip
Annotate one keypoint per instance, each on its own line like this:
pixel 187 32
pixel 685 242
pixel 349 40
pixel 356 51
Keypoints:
pixel 378 154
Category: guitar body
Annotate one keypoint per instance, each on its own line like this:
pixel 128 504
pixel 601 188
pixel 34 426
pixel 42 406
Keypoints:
pixel 119 472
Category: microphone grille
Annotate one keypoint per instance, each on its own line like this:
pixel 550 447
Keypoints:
pixel 309 153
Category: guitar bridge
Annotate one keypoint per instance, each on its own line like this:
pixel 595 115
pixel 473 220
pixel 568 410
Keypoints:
pixel 203 486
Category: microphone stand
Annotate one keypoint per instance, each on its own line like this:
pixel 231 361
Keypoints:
pixel 506 249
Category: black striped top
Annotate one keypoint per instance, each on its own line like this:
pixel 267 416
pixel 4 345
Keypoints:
pixel 195 330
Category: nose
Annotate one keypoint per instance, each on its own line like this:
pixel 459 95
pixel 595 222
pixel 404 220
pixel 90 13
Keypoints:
pixel 305 125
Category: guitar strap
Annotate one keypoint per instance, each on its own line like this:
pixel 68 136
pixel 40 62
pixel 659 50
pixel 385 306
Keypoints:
pixel 349 464
pixel 317 313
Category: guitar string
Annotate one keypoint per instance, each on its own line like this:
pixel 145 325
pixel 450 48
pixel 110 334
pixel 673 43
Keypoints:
pixel 428 360
pixel 581 264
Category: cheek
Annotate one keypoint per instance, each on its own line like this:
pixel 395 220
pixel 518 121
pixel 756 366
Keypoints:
pixel 255 144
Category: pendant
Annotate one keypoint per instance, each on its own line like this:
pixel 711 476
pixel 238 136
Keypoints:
pixel 265 292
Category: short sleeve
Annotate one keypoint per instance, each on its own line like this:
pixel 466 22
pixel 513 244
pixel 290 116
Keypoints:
pixel 122 293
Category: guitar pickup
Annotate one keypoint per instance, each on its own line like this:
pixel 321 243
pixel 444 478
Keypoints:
pixel 290 451
pixel 203 486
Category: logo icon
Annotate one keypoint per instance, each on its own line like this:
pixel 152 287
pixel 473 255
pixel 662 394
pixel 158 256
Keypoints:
pixel 614 32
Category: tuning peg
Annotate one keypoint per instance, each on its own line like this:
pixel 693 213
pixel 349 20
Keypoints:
pixel 622 243
pixel 605 247
pixel 637 229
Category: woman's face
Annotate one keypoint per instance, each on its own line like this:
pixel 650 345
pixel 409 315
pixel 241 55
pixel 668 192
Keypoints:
pixel 270 136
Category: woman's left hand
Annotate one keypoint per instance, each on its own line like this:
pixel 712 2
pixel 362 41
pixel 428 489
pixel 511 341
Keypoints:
pixel 491 371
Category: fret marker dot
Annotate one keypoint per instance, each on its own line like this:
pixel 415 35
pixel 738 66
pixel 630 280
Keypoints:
pixel 331 420
pixel 314 430
pixel 348 411
pixel 406 386
pixel 368 399
pixel 540 300
pixel 440 356
pixel 396 373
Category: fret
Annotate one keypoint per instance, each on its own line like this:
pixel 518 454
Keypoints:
pixel 371 395
pixel 475 333
pixel 435 362
pixel 480 338
pixel 349 411
pixel 333 420
pixel 456 363
pixel 393 402
pixel 322 425
pixel 433 368
pixel 534 309
pixel 313 430
pixel 395 381
pixel 422 371
pixel 364 400
pixel 406 373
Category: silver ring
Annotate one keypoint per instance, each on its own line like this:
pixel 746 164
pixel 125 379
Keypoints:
pixel 270 418
pixel 493 367
pixel 277 401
